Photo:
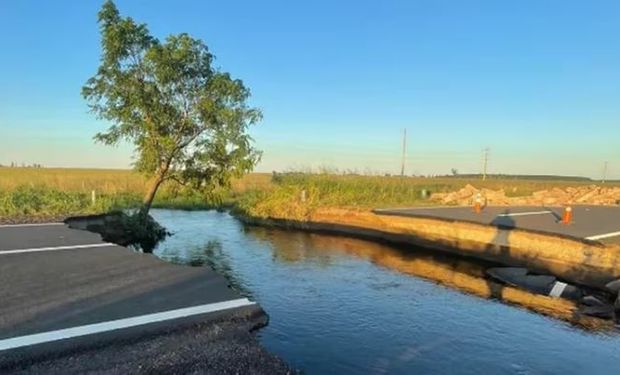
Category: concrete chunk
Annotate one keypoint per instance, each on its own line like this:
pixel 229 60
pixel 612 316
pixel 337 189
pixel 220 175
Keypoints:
pixel 505 272
pixel 605 311
pixel 592 301
pixel 518 277
pixel 613 286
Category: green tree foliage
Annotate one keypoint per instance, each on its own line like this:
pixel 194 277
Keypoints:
pixel 187 120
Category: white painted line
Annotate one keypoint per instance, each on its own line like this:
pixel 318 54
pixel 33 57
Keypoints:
pixel 603 236
pixel 558 289
pixel 30 225
pixel 526 213
pixel 113 325
pixel 56 248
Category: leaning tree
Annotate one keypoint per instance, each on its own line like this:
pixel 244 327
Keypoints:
pixel 187 120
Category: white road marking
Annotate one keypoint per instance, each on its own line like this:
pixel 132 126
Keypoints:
pixel 29 225
pixel 603 236
pixel 112 325
pixel 558 289
pixel 56 248
pixel 526 213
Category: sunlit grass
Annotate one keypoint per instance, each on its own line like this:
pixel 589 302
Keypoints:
pixel 47 192
pixel 295 195
pixel 56 192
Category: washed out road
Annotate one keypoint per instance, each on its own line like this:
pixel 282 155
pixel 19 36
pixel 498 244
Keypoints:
pixel 67 296
pixel 595 223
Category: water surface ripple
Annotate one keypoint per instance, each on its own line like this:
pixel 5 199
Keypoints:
pixel 346 306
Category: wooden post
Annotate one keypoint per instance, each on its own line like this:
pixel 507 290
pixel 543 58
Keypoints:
pixel 303 196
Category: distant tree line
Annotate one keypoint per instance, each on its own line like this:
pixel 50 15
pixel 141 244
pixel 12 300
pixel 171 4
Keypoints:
pixel 22 165
pixel 516 177
pixel 455 174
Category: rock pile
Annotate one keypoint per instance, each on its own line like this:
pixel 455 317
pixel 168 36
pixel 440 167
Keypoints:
pixel 591 194
pixel 465 196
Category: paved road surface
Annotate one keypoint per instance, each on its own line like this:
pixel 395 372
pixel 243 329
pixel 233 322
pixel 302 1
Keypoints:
pixel 64 291
pixel 598 223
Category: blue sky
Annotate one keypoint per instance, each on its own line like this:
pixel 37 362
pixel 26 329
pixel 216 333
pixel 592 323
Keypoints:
pixel 538 82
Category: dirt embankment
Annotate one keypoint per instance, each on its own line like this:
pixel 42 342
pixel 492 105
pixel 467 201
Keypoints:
pixel 584 263
pixel 580 263
pixel 591 194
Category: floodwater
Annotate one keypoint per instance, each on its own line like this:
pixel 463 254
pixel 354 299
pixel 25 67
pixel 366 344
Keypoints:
pixel 345 306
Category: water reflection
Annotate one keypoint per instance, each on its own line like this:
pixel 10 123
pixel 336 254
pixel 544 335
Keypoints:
pixel 456 272
pixel 211 255
pixel 341 305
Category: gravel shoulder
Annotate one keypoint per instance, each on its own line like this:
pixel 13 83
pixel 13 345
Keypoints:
pixel 215 347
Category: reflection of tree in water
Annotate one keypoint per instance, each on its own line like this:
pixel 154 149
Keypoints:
pixel 211 255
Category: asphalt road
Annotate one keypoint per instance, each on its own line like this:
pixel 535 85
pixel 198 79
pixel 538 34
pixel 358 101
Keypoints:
pixel 35 236
pixel 597 223
pixel 64 292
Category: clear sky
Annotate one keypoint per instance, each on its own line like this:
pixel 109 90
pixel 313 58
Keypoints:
pixel 538 82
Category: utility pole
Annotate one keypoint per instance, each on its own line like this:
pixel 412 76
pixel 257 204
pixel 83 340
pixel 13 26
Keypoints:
pixel 604 172
pixel 485 162
pixel 402 162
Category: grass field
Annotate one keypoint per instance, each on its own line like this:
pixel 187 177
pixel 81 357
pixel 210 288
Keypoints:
pixel 50 192
pixel 284 199
pixel 47 193
pixel 108 181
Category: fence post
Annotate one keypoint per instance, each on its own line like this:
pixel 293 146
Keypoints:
pixel 93 197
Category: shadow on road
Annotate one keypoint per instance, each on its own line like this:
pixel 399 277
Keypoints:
pixel 499 246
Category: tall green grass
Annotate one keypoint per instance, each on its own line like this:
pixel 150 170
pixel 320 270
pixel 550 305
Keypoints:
pixel 50 193
pixel 296 195
pixel 39 201
pixel 37 193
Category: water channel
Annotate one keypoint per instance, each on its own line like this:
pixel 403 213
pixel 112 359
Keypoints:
pixel 341 305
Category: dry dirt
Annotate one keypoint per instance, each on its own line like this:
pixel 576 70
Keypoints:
pixel 591 194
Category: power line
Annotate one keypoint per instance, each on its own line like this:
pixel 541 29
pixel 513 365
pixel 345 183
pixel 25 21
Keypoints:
pixel 402 162
pixel 605 172
pixel 485 162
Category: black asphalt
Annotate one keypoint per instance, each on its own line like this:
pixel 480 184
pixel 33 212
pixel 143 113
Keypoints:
pixel 49 290
pixel 37 236
pixel 587 221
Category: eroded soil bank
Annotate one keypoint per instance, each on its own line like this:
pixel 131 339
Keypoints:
pixel 581 262
pixel 588 264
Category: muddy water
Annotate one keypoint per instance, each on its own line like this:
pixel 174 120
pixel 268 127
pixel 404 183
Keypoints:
pixel 341 305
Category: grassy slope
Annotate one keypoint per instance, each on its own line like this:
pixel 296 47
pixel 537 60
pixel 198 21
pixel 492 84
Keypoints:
pixel 284 199
pixel 50 192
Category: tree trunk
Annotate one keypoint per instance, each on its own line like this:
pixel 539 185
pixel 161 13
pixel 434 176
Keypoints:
pixel 150 194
